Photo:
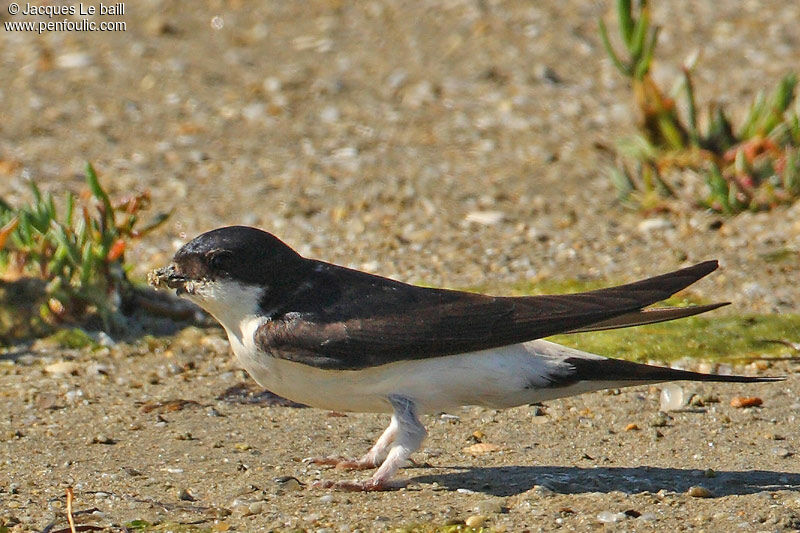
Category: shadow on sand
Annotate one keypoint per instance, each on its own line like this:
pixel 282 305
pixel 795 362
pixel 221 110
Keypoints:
pixel 511 480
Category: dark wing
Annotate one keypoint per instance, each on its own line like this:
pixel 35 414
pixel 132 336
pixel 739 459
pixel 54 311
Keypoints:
pixel 649 316
pixel 347 320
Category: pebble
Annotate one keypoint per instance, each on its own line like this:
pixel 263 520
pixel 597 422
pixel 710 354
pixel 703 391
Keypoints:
pixel 541 490
pixel 783 453
pixel 609 517
pixel 98 369
pixel 186 496
pixel 482 448
pixel 659 420
pixel 288 483
pixel 485 218
pixel 62 368
pixel 73 60
pixel 672 397
pixel 488 507
pixel 243 507
pixel 655 224
pixel 327 498
pixel 26 360
pixel 73 396
pixel 475 521
pixel 698 492
pixel 746 401
pixel 102 338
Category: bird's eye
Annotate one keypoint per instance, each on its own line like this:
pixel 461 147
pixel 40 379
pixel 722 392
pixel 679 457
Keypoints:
pixel 219 260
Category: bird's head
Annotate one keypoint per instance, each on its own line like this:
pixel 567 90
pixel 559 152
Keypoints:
pixel 231 271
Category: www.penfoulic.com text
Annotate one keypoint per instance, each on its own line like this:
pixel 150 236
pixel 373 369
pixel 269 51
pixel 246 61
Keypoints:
pixel 76 17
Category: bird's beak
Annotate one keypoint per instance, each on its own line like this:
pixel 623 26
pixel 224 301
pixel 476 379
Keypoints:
pixel 168 277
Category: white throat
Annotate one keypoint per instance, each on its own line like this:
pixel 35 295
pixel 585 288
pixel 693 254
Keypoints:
pixel 235 305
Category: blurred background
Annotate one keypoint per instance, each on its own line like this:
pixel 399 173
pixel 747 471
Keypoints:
pixel 454 143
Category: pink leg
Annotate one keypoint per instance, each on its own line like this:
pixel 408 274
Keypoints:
pixel 406 434
pixel 371 459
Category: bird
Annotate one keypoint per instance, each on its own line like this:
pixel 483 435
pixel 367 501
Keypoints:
pixel 341 339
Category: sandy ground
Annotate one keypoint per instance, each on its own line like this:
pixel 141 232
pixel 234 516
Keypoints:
pixel 452 144
pixel 172 431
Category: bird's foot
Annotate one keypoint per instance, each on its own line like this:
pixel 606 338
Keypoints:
pixel 341 463
pixel 369 485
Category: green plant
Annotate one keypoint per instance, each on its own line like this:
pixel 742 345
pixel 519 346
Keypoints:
pixel 754 166
pixel 78 252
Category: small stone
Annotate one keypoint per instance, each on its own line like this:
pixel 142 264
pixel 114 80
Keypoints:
pixel 288 483
pixel 488 507
pixel 783 453
pixel 746 401
pixel 475 521
pixel 655 224
pixel 631 427
pixel 659 420
pixel 186 496
pixel 482 448
pixel 485 218
pixel 609 517
pixel 98 369
pixel 540 490
pixel 254 111
pixel 328 498
pixel 330 115
pixel 672 397
pixel 103 339
pixel 244 507
pixel 102 439
pixel 61 369
pixel 698 492
pixel 709 473
pixel 73 60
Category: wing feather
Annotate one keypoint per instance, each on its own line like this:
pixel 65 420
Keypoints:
pixel 347 320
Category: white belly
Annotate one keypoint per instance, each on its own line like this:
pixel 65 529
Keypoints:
pixel 499 377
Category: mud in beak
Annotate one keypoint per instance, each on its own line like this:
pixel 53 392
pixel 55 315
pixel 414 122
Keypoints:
pixel 168 277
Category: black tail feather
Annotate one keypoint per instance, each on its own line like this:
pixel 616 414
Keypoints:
pixel 621 370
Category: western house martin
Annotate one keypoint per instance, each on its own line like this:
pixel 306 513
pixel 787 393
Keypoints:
pixel 340 339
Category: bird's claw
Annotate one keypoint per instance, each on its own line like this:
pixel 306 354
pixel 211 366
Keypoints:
pixel 341 463
pixel 369 485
